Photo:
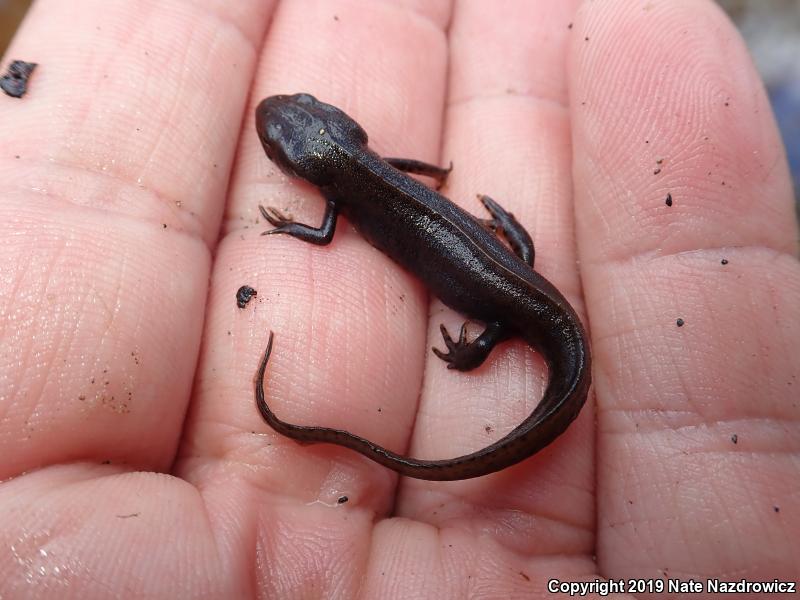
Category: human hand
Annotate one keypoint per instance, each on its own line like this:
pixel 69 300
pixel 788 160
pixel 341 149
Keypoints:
pixel 135 147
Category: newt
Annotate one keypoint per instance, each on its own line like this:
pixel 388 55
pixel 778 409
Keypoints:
pixel 460 258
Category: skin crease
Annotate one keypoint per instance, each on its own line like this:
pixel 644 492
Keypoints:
pixel 134 462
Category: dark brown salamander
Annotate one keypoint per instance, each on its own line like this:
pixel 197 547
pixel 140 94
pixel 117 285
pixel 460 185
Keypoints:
pixel 458 256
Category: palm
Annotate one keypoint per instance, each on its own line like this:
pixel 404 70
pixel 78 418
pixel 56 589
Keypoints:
pixel 564 125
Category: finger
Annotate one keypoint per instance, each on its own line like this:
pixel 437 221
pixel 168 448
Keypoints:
pixel 348 324
pixel 508 135
pixel 112 194
pixel 697 422
pixel 114 169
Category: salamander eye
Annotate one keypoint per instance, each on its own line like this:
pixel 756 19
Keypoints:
pixel 305 99
pixel 359 133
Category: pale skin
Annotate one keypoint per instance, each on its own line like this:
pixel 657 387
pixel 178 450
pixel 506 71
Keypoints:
pixel 132 457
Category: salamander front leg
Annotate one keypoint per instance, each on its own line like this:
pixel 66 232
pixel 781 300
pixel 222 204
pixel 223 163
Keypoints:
pixel 320 236
pixel 409 165
pixel 465 356
pixel 504 223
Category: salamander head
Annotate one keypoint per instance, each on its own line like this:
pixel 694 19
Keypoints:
pixel 306 138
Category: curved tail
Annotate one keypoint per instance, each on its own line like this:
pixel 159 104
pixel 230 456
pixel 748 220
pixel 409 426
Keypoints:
pixel 569 378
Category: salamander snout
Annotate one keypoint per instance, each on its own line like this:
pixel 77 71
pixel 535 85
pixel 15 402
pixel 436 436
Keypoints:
pixel 305 137
pixel 289 129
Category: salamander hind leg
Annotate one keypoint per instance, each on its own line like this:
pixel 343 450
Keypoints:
pixel 504 223
pixel 465 356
